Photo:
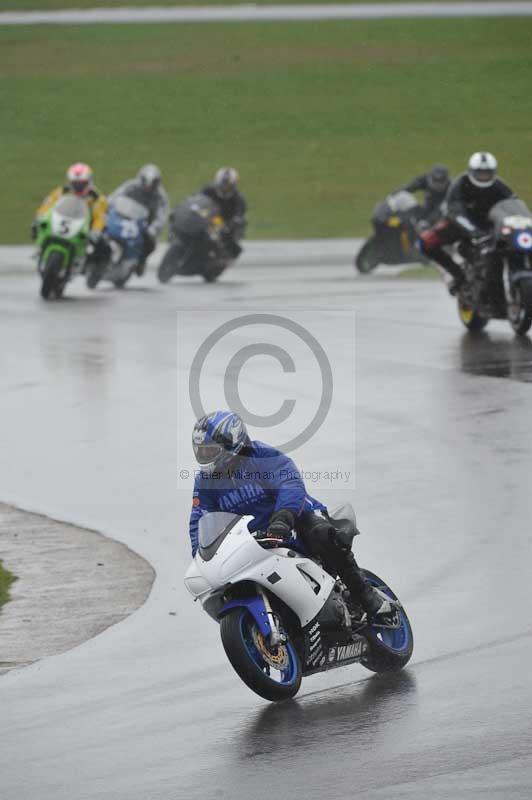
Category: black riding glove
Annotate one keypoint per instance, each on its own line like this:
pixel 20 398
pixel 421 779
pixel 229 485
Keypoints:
pixel 281 524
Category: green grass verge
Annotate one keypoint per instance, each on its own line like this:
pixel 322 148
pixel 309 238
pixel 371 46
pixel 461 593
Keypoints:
pixel 322 118
pixel 50 5
pixel 6 579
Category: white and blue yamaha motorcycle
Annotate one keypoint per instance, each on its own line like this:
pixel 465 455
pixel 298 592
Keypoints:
pixel 282 616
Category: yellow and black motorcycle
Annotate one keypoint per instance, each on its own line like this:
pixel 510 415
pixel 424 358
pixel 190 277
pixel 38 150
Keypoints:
pixel 198 245
pixel 397 222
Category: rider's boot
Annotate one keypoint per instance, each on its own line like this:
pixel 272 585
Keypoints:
pixel 322 541
pixel 374 602
pixel 455 284
pixel 451 266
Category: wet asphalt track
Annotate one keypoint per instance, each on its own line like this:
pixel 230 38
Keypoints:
pixel 150 710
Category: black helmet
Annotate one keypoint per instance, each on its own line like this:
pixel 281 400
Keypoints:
pixel 438 178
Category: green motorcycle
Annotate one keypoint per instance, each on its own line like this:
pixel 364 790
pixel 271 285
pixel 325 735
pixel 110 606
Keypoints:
pixel 62 238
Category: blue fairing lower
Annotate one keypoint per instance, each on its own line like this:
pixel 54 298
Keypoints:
pixel 257 609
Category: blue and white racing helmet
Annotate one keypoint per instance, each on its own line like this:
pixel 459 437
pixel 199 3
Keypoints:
pixel 217 438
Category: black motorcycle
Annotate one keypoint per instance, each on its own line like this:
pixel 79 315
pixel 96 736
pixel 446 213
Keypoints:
pixel 397 222
pixel 498 270
pixel 198 241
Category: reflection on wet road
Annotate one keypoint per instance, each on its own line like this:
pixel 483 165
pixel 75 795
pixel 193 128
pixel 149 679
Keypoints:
pixel 497 356
pixel 151 708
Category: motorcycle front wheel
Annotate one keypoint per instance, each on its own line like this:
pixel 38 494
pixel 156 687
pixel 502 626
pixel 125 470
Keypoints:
pixel 271 672
pixel 469 317
pixel 171 261
pixel 51 280
pixel 520 310
pixel 366 259
pixel 390 648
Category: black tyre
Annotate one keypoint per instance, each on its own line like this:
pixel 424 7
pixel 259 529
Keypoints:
pixel 119 283
pixel 170 262
pixel 272 673
pixel 213 272
pixel 366 259
pixel 50 275
pixel 94 275
pixel 390 649
pixel 520 311
pixel 469 317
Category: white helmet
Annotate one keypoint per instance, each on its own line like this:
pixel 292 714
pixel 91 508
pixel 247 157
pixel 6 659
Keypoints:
pixel 482 170
pixel 226 182
pixel 149 176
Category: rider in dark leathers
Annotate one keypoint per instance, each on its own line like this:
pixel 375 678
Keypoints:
pixel 469 201
pixel 147 190
pixel 434 185
pixel 224 191
pixel 247 477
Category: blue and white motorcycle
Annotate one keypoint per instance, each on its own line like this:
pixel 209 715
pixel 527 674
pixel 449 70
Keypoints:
pixel 125 229
pixel 282 616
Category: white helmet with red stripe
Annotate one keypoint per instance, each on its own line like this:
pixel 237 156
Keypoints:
pixel 79 178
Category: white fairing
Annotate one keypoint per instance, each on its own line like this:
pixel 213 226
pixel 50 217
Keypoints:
pixel 297 580
pixel 65 227
pixel 402 201
pixel 518 223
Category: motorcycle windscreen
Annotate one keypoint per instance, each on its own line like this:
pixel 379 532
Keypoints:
pixel 129 208
pixel 401 202
pixel 512 207
pixel 212 530
pixel 345 522
pixel 71 206
pixel 193 215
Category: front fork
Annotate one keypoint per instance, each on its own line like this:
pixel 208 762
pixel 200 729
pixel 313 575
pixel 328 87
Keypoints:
pixel 261 610
pixel 276 637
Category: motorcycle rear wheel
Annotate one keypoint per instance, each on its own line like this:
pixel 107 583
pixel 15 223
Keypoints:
pixel 119 283
pixel 213 272
pixel 254 660
pixel 390 649
pixel 521 320
pixel 366 259
pixel 94 275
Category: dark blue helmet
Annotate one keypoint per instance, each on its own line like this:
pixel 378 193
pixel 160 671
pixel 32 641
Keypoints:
pixel 217 438
pixel 438 178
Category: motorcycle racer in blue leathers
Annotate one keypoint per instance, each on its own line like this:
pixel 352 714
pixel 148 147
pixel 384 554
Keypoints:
pixel 251 478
